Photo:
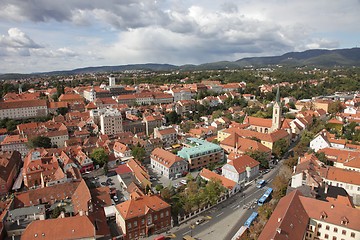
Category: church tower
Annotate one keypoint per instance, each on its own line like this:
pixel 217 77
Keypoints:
pixel 276 116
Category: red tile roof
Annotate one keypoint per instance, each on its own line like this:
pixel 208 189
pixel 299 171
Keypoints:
pixel 209 175
pixel 164 157
pixel 140 206
pixel 242 162
pixel 288 221
pixel 343 175
pixel 78 227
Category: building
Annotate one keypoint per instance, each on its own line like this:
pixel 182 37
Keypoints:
pixel 71 98
pixel 152 122
pixel 347 179
pixel 241 169
pixel 143 216
pixel 276 116
pixel 15 143
pixel 167 163
pixel 111 122
pixel 41 170
pixel 77 227
pixel 23 109
pixel 200 153
pixel 122 151
pixel 167 135
pixel 299 217
pixel 180 94
pixel 9 168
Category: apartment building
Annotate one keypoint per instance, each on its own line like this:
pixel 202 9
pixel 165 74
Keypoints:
pixel 111 122
pixel 15 143
pixel 167 163
pixel 23 109
pixel 200 153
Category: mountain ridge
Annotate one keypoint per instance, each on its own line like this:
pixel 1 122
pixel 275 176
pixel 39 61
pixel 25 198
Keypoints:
pixel 314 57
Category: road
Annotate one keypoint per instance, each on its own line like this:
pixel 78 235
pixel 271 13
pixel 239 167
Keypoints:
pixel 232 208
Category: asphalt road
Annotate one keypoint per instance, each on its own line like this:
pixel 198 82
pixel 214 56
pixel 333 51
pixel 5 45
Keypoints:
pixel 231 206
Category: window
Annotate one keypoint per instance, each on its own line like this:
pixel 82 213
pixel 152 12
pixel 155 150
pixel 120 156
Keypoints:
pixel 327 227
pixel 161 215
pixel 129 225
pixel 343 232
pixel 167 213
pixel 335 230
pixel 326 236
pixel 319 225
pixel 352 235
pixel 135 224
pixel 334 238
pixel 155 217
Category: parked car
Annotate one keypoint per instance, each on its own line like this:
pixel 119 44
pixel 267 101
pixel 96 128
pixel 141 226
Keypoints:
pixel 183 181
pixel 115 198
pixel 104 183
pixel 200 221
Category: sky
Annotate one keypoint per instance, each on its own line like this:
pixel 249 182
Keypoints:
pixel 48 35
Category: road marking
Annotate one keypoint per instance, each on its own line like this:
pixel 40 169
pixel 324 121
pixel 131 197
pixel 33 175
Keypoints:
pixel 234 205
pixel 186 232
pixel 220 214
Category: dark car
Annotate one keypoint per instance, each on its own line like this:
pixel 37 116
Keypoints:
pixel 104 183
pixel 111 174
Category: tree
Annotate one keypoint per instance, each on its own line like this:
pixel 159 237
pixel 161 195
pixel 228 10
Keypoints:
pixel 159 187
pixel 99 156
pixel 62 110
pixel 335 107
pixel 173 118
pixel 57 211
pixel 261 157
pixel 139 153
pixel 40 141
pixel 280 147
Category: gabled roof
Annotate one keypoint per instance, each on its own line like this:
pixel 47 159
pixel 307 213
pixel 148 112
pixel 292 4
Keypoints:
pixel 209 175
pixel 343 175
pixel 164 157
pixel 244 144
pixel 140 206
pixel 78 227
pixel 241 163
pixel 256 121
pixel 331 212
pixel 288 221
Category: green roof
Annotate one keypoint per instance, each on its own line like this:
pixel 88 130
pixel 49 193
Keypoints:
pixel 200 147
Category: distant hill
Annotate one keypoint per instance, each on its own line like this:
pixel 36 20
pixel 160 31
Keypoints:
pixel 316 58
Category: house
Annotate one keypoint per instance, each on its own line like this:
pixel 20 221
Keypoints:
pixel 143 216
pixel 241 169
pixel 139 172
pixel 298 217
pixel 15 143
pixel 77 227
pixel 200 153
pixel 180 94
pixel 232 187
pixel 42 170
pixel 324 140
pixel 167 135
pixel 71 98
pixel 309 171
pixel 122 151
pixel 10 163
pixel 167 163
pixel 343 158
pixel 84 161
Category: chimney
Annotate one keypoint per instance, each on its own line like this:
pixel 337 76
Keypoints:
pixel 279 219
pixel 326 188
pixel 81 213
pixel 62 214
pixel 278 230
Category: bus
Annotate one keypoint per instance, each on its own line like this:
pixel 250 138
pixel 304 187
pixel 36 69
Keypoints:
pixel 265 196
pixel 249 221
pixel 261 183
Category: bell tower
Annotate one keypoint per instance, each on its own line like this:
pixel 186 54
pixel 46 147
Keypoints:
pixel 276 116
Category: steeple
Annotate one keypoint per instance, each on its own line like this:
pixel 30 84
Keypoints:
pixel 277 95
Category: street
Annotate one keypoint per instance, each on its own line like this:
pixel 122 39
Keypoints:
pixel 223 221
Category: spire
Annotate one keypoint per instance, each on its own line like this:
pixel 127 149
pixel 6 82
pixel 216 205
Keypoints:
pixel 278 95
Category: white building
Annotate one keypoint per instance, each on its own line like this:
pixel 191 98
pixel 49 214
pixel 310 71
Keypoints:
pixel 23 109
pixel 241 169
pixel 180 94
pixel 111 122
pixel 167 163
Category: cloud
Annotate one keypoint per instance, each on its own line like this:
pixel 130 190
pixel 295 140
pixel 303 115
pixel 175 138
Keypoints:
pixel 17 39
